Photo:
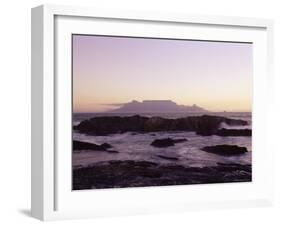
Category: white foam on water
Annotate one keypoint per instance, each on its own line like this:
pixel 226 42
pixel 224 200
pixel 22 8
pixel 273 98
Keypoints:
pixel 136 146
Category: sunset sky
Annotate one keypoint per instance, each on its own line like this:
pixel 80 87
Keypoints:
pixel 108 71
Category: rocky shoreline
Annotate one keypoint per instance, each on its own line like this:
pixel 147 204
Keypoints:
pixel 120 174
pixel 168 170
pixel 225 150
pixel 166 142
pixel 204 125
pixel 234 132
pixel 80 145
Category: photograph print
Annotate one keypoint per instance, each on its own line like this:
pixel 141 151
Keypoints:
pixel 160 112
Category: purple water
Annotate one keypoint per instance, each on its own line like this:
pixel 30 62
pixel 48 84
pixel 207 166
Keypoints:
pixel 136 146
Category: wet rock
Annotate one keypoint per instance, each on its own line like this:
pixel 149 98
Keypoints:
pixel 208 125
pixel 111 125
pixel 167 157
pixel 234 165
pixel 166 142
pixel 161 143
pixel 80 145
pixel 106 145
pixel 117 174
pixel 203 125
pixel 225 150
pixel 234 132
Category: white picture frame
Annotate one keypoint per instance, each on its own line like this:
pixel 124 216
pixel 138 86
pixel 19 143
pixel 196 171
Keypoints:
pixel 52 197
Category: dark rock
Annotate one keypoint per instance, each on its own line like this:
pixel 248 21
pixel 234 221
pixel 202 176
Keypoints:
pixel 111 125
pixel 225 150
pixel 208 125
pixel 234 165
pixel 79 145
pixel 166 142
pixel 106 145
pixel 234 132
pixel 117 174
pixel 167 157
pixel 203 125
pixel 161 143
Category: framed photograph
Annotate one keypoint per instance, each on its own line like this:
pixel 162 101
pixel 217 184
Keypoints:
pixel 141 112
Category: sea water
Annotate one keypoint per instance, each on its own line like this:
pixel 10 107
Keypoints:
pixel 136 146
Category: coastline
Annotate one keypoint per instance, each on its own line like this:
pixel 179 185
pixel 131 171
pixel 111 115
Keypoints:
pixel 121 174
pixel 138 151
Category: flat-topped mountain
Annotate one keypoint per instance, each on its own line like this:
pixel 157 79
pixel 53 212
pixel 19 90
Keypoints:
pixel 156 106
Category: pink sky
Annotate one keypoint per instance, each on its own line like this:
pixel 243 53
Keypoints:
pixel 107 70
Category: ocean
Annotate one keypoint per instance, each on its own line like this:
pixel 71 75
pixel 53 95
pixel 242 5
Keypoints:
pixel 136 146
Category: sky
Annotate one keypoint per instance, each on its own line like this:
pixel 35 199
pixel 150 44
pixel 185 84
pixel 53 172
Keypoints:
pixel 109 71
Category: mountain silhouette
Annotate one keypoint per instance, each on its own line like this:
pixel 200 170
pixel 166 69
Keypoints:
pixel 156 106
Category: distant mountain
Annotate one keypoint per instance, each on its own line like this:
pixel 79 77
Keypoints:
pixel 156 106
